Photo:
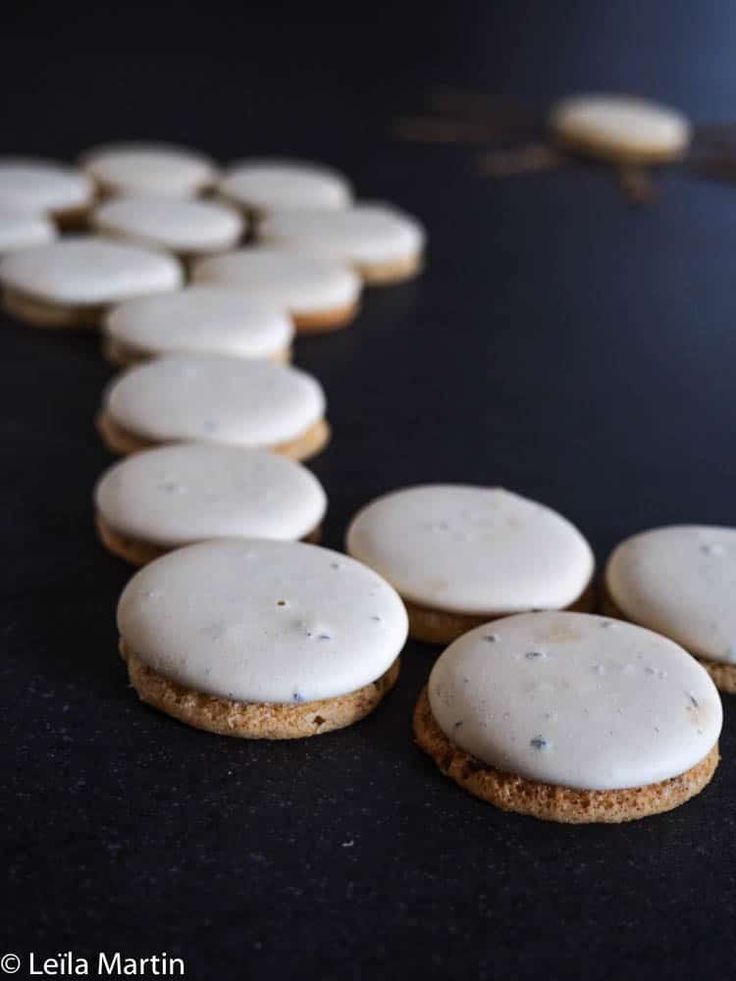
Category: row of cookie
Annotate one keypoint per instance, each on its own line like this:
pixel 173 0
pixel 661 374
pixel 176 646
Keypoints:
pixel 566 716
pixel 457 555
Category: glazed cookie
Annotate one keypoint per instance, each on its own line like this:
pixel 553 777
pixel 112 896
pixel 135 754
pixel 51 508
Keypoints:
pixel 211 399
pixel 261 639
pixel 681 582
pixel 149 168
pixel 320 294
pixel 460 556
pixel 260 186
pixel 70 283
pixel 620 128
pixel 189 228
pixel 572 718
pixel 42 186
pixel 382 243
pixel 170 496
pixel 198 319
pixel 22 229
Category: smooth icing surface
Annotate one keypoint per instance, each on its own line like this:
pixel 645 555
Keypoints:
pixel 365 233
pixel 206 319
pixel 20 229
pixel 150 168
pixel 303 283
pixel 576 700
pixel 681 582
pixel 174 495
pixel 89 270
pixel 42 185
pixel 179 224
pixel 634 124
pixel 214 399
pixel 263 621
pixel 267 184
pixel 472 549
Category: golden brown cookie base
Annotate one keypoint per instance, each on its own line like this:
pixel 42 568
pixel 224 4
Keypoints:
pixel 139 552
pixel 548 801
pixel 325 321
pixel 124 355
pixel 255 720
pixel 442 626
pixel 616 154
pixel 723 675
pixel 39 313
pixel 387 273
pixel 120 440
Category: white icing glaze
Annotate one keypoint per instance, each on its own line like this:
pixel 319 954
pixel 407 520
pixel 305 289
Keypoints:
pixel 150 168
pixel 42 185
pixel 20 229
pixel 204 319
pixel 263 185
pixel 214 399
pixel 189 227
pixel 472 549
pixel 362 235
pixel 86 270
pixel 634 125
pixel 174 495
pixel 261 621
pixel 305 284
pixel 576 700
pixel 681 582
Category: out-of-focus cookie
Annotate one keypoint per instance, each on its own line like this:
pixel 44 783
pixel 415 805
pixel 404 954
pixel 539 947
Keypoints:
pixel 72 282
pixel 620 128
pixel 22 229
pixel 250 403
pixel 149 168
pixel 188 228
pixel 572 718
pixel 196 320
pixel 680 581
pixel 170 496
pixel 383 244
pixel 321 294
pixel 460 556
pixel 43 186
pixel 261 639
pixel 262 186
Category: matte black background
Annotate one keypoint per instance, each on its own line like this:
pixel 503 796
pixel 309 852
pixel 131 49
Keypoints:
pixel 561 343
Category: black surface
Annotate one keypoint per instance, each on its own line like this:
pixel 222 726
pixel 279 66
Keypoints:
pixel 561 343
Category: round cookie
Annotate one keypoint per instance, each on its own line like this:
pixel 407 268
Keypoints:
pixel 70 283
pixel 47 187
pixel 150 169
pixel 189 228
pixel 205 398
pixel 261 639
pixel 383 244
pixel 619 128
pixel 261 186
pixel 197 319
pixel 460 556
pixel 680 581
pixel 22 229
pixel 570 717
pixel 163 498
pixel 320 294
